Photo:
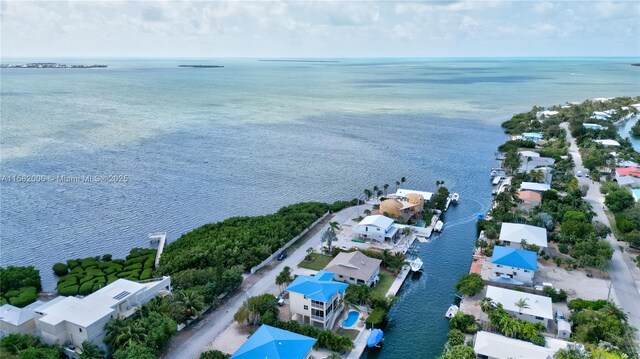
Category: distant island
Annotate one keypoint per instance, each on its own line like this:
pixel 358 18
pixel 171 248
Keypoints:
pixel 638 64
pixel 201 66
pixel 49 65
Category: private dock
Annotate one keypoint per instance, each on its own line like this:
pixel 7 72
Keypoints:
pixel 161 238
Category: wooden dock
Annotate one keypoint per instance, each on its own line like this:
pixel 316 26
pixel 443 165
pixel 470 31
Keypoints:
pixel 161 238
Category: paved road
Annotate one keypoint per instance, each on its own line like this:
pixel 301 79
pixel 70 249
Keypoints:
pixel 190 345
pixel 624 287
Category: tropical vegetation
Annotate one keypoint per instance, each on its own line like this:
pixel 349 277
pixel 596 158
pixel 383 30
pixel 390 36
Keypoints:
pixel 19 286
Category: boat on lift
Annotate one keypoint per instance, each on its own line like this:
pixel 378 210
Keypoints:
pixel 451 312
pixel 375 338
pixel 455 198
pixel 416 264
pixel 438 226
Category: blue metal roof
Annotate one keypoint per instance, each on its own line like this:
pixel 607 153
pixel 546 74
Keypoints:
pixel 273 343
pixel 513 257
pixel 320 287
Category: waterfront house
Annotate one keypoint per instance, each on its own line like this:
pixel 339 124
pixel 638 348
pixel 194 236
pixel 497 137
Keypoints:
pixel 403 193
pixel 535 187
pixel 541 115
pixel 531 154
pixel 74 320
pixel 516 264
pixel 377 227
pixel 628 176
pixel 537 310
pixel 273 343
pixel 316 300
pixel 406 209
pixel 529 200
pixel 355 268
pixel 608 143
pixel 593 126
pixel 600 115
pixel 529 163
pixel 488 345
pixel 532 136
pixel 14 320
pixel 515 234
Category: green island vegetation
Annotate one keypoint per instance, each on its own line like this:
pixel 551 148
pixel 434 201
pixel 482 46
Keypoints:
pixel 85 276
pixel 635 130
pixel 19 286
pixel 263 309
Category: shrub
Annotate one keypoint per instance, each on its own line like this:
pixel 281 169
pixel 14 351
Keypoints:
pixel 106 257
pixel 377 318
pixel 465 323
pixel 214 354
pixel 581 304
pixel 470 284
pixel 563 248
pixel 86 288
pixel 60 269
pixel 556 296
pixel 133 267
pixel 26 296
pixel 67 291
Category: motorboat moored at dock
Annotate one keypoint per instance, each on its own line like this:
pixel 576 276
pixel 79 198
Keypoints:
pixel 438 226
pixel 375 338
pixel 455 198
pixel 416 264
pixel 453 309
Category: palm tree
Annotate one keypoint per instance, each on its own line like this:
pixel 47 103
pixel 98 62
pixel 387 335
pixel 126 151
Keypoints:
pixel 284 278
pixel 329 237
pixel 375 189
pixel 529 159
pixel 522 304
pixel 386 188
pixel 367 193
pixel 403 180
pixel 367 212
pixel 397 185
pixel 334 226
pixel 486 305
pixel 379 193
pixel 91 351
pixel 192 301
pixel 121 334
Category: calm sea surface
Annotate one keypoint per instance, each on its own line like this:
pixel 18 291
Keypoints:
pixel 201 145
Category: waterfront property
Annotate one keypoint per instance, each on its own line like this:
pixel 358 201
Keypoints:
pixel 531 154
pixel 516 234
pixel 273 343
pixel 494 346
pixel 593 126
pixel 541 115
pixel 14 320
pixel 528 163
pixel 74 320
pixel 316 300
pixel 608 143
pixel 529 200
pixel 407 209
pixel 532 136
pixel 537 308
pixel 404 193
pixel 377 227
pixel 355 268
pixel 514 263
pixel 628 176
pixel 535 187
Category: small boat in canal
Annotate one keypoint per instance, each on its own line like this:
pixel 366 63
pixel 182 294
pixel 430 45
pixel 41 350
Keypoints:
pixel 438 226
pixel 455 198
pixel 453 309
pixel 375 338
pixel 416 264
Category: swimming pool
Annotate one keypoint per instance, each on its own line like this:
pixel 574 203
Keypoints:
pixel 351 318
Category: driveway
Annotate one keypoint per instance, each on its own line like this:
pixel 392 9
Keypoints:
pixel 191 342
pixel 624 287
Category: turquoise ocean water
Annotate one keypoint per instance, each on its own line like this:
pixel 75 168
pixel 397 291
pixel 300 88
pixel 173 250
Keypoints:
pixel 200 145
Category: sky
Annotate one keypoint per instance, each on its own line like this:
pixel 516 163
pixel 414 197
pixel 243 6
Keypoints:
pixel 315 29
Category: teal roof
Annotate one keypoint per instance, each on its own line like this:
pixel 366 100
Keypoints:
pixel 513 257
pixel 273 343
pixel 320 287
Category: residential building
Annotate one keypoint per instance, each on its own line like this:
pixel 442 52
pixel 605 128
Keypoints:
pixel 355 268
pixel 403 193
pixel 531 154
pixel 564 329
pixel 608 143
pixel 14 320
pixel 515 234
pixel 628 176
pixel 514 263
pixel 74 320
pixel 538 309
pixel 529 163
pixel 406 209
pixel 316 300
pixel 535 187
pixel 593 126
pixel 272 343
pixel 541 115
pixel 529 200
pixel 494 346
pixel 532 136
pixel 377 227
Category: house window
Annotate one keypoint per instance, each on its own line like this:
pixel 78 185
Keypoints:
pixel 540 318
pixel 352 278
pixel 306 307
pixel 499 266
pixel 506 243
pixel 80 329
pixel 526 271
pixel 482 356
pixel 366 229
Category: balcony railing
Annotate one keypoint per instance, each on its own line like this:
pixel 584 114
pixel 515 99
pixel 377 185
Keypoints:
pixel 317 306
pixel 318 318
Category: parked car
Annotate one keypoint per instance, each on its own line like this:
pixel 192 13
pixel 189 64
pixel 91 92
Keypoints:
pixel 280 300
pixel 282 255
pixel 559 315
pixel 579 174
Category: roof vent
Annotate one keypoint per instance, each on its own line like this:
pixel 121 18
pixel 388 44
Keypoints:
pixel 362 260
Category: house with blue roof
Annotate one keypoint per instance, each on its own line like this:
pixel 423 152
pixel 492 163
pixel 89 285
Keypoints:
pixel 272 343
pixel 514 265
pixel 316 300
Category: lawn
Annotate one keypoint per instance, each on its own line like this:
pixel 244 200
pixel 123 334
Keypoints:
pixel 386 279
pixel 317 262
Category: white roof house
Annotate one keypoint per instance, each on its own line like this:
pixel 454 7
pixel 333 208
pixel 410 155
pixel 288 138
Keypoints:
pixel 377 227
pixel 72 310
pixel 538 306
pixel 18 320
pixel 608 143
pixel 516 232
pixel 376 220
pixel 404 192
pixel 533 186
pixel 496 346
pixel 531 154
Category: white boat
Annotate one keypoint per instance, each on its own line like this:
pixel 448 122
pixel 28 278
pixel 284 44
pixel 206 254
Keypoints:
pixel 455 198
pixel 453 309
pixel 493 174
pixel 416 264
pixel 438 226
